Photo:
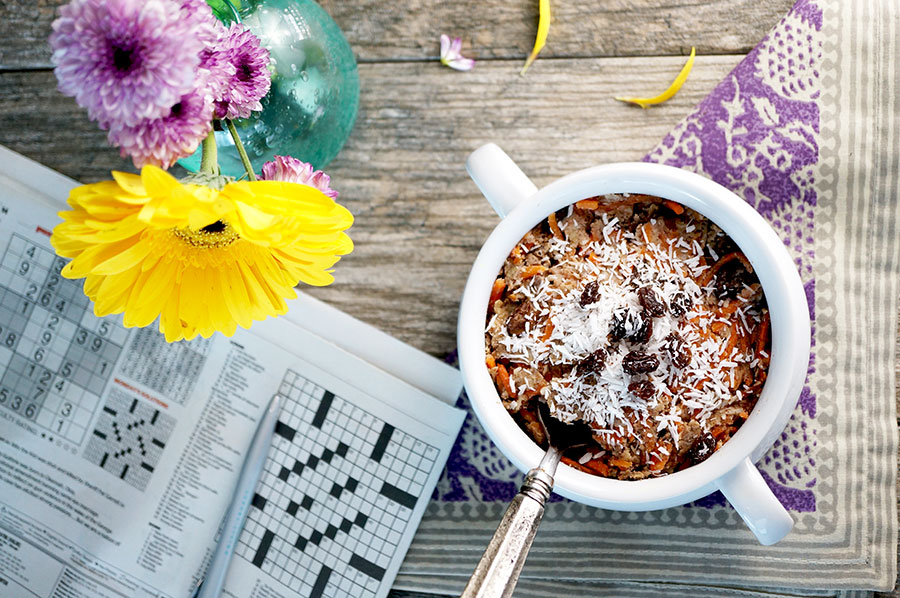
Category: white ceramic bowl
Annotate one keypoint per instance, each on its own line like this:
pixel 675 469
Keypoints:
pixel 730 469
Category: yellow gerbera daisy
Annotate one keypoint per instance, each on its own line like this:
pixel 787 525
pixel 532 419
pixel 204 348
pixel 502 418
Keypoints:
pixel 199 259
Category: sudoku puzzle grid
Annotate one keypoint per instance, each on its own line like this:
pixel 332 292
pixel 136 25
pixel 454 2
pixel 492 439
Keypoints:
pixel 55 355
pixel 336 495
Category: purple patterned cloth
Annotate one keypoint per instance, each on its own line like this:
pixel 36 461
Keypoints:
pixel 755 134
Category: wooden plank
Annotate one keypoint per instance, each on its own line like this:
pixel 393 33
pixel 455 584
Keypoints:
pixel 419 219
pixel 593 28
pixel 409 29
pixel 43 124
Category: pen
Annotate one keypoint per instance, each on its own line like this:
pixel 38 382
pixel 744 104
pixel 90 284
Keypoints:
pixel 211 585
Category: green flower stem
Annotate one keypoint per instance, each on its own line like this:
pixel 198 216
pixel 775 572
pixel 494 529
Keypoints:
pixel 241 151
pixel 209 155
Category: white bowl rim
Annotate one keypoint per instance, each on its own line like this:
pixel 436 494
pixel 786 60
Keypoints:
pixel 785 294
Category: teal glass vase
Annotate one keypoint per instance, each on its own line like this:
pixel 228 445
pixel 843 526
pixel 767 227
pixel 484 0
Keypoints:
pixel 311 106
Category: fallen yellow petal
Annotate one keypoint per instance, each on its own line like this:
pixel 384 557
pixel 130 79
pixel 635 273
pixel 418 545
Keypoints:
pixel 543 30
pixel 671 91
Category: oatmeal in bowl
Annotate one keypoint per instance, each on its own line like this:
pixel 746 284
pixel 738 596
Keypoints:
pixel 647 302
pixel 636 316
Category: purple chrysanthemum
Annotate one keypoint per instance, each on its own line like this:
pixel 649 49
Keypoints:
pixel 203 21
pixel 251 78
pixel 125 60
pixel 217 64
pixel 292 170
pixel 162 141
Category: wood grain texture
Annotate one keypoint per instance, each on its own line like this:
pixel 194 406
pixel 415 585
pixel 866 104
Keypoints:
pixel 409 30
pixel 419 219
pixel 592 28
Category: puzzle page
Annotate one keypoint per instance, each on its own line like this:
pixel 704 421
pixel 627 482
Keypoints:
pixel 119 452
pixel 355 458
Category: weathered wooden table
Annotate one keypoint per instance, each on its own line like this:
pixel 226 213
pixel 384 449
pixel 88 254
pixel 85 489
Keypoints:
pixel 419 219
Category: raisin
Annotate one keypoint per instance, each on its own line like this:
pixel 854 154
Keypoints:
pixel 722 244
pixel 640 362
pixel 702 448
pixel 650 301
pixel 590 294
pixel 642 389
pixel 680 304
pixel 593 363
pixel 563 213
pixel 516 323
pixel 677 349
pixel 617 327
pixel 730 279
pixel 640 213
pixel 644 330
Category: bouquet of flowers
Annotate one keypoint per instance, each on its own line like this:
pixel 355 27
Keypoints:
pixel 207 253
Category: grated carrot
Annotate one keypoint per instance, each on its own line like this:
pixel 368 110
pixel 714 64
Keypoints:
pixel 497 291
pixel 503 380
pixel 762 333
pixel 735 255
pixel 575 465
pixel 732 339
pixel 598 466
pixel 675 207
pixel 658 462
pixel 548 331
pixel 554 227
pixel 620 463
pixel 730 308
pixel 531 271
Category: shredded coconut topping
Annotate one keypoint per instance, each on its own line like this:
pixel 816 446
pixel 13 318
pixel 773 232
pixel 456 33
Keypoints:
pixel 568 323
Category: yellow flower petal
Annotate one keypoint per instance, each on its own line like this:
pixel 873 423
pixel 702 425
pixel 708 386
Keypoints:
pixel 131 184
pixel 668 93
pixel 151 288
pixel 157 182
pixel 112 292
pixel 235 295
pixel 197 259
pixel 542 31
pixel 253 219
pixel 95 256
pixel 170 322
pixel 124 260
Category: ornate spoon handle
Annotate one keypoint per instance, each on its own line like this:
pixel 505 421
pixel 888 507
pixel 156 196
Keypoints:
pixel 498 570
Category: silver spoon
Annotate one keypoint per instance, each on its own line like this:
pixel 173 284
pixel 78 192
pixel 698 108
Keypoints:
pixel 500 565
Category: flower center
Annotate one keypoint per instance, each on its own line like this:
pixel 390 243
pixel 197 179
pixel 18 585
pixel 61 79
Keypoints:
pixel 122 58
pixel 245 73
pixel 217 235
pixel 216 227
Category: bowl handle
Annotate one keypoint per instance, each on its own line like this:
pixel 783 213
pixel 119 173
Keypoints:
pixel 751 497
pixel 502 183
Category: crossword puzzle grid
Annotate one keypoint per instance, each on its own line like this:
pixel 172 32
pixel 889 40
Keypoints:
pixel 336 495
pixel 129 438
pixel 55 355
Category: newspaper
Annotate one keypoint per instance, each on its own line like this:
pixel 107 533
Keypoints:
pixel 119 453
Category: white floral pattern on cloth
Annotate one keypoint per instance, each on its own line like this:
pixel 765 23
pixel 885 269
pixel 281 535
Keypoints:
pixel 756 134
